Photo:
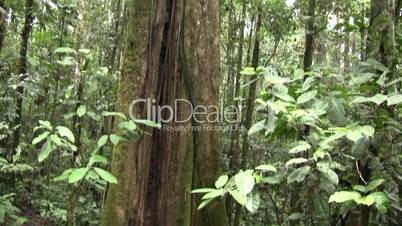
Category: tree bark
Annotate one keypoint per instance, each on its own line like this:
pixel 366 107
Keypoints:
pixel 2 23
pixel 309 44
pixel 22 71
pixel 171 52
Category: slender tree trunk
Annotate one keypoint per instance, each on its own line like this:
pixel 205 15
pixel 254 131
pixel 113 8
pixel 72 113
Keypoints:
pixel 309 44
pixel 22 71
pixel 234 139
pixel 250 108
pixel 2 23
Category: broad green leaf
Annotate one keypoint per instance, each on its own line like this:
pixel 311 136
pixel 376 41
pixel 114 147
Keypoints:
pixel 271 180
pixel 221 181
pixel 257 127
pixel 253 201
pixel 374 184
pixel 366 200
pixel 381 201
pixel 343 196
pixel 40 138
pixel 360 188
pixel 102 141
pixel 244 182
pixel 77 174
pixel 128 125
pixel 240 198
pixel 56 139
pixel 395 99
pixel 148 123
pixel 281 92
pixel 46 124
pixel 266 168
pixel 81 110
pixel 305 97
pixel 301 147
pixel 307 84
pixel 105 175
pixel 298 174
pixel 45 151
pixel 330 175
pixel 115 139
pixel 96 159
pixel 65 132
pixel 296 161
pixel 378 99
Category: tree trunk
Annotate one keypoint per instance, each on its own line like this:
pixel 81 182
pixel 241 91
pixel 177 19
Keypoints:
pixel 169 47
pixel 249 108
pixel 309 44
pixel 234 138
pixel 2 23
pixel 22 71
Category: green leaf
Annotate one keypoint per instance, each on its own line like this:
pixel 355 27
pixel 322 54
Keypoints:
pixel 96 159
pixel 266 168
pixel 45 152
pixel 77 174
pixel 128 125
pixel 330 175
pixel 245 182
pixel 213 194
pixel 81 110
pixel 307 97
pixel 202 190
pixel 381 201
pixel 295 217
pixel 46 124
pixel 296 161
pixel 56 139
pixel 395 99
pixel 253 201
pixel 281 92
pixel 102 141
pixel 366 200
pixel 248 71
pixel 374 184
pixel 40 138
pixel 343 196
pixel 221 181
pixel 360 188
pixel 148 123
pixel 64 50
pixel 66 132
pixel 67 61
pixel 240 198
pixel 105 175
pixel 118 114
pixel 299 174
pixel 204 203
pixel 63 176
pixel 115 139
pixel 257 127
pixel 378 99
pixel 301 147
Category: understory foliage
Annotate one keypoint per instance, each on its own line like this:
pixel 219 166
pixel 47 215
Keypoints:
pixel 319 140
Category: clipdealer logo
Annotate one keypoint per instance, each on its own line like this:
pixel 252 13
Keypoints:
pixel 182 112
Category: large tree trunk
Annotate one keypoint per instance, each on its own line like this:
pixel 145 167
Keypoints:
pixel 171 52
pixel 22 71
